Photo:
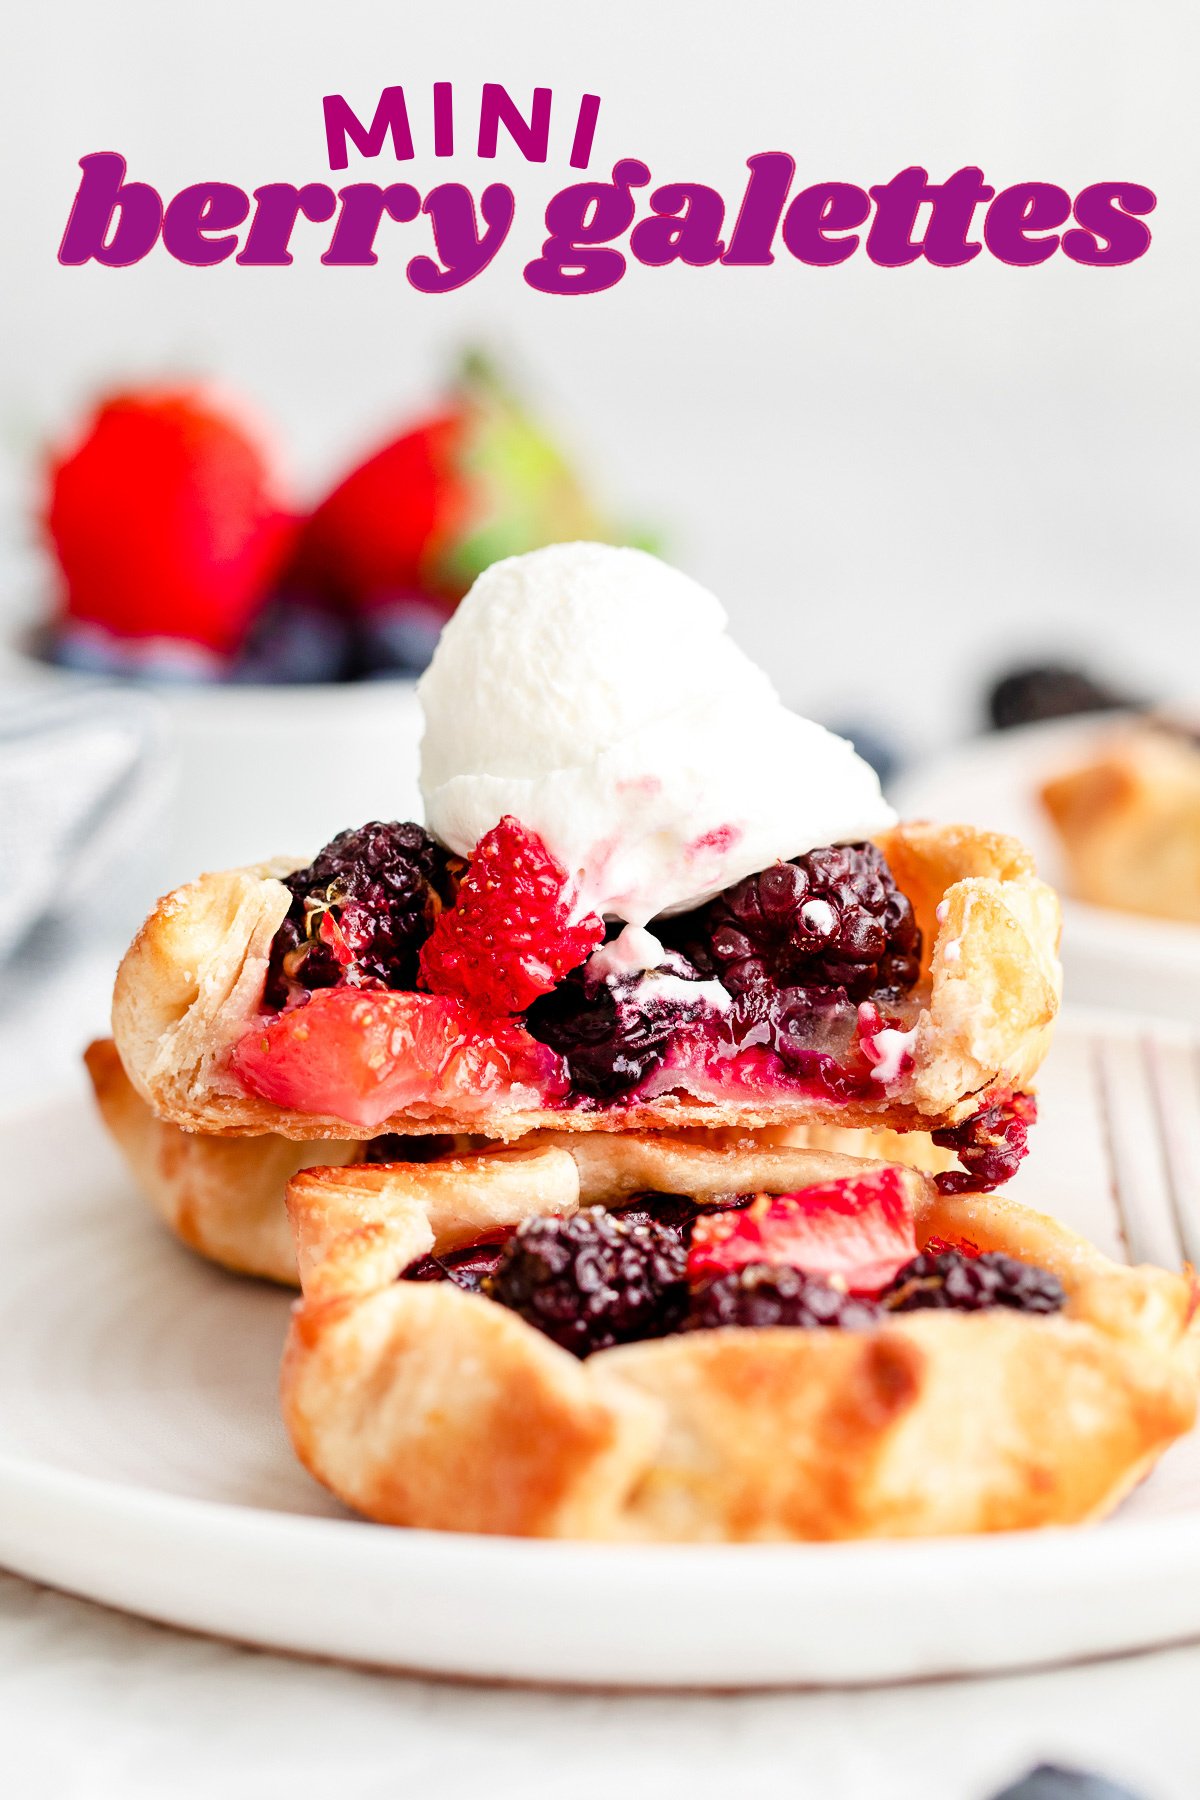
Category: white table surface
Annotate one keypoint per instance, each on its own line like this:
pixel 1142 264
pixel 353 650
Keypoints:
pixel 96 1705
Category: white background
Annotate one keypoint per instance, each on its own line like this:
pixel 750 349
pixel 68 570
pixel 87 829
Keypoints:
pixel 895 478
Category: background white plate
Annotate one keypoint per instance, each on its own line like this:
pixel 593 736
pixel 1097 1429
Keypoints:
pixel 142 1463
pixel 1110 958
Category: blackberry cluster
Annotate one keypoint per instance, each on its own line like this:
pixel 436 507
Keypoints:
pixel 468 1268
pixel 990 1145
pixel 603 1278
pixel 764 1294
pixel 950 1281
pixel 361 911
pixel 594 1280
pixel 608 1038
pixel 832 919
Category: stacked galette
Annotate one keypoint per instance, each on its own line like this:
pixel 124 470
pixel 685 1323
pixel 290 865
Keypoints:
pixel 670 1310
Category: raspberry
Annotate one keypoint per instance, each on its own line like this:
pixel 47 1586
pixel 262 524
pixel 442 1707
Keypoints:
pixel 468 1268
pixel 990 1145
pixel 831 919
pixel 762 1294
pixel 612 1033
pixel 594 1280
pixel 360 912
pixel 509 936
pixel 949 1280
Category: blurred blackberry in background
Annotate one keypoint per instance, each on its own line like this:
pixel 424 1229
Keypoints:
pixel 295 640
pixel 1039 691
pixel 1049 1781
pixel 883 755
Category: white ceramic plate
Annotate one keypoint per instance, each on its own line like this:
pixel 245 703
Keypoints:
pixel 1110 958
pixel 142 1463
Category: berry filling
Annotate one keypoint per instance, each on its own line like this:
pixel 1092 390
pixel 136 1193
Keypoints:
pixel 831 920
pixel 611 1031
pixel 990 1145
pixel 951 1280
pixel 665 1263
pixel 510 935
pixel 467 1269
pixel 858 1232
pixel 759 1295
pixel 404 978
pixel 594 1280
pixel 360 912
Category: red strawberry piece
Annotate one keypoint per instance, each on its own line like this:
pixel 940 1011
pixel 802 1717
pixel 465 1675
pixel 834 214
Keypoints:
pixel 363 1056
pixel 422 516
pixel 167 520
pixel 510 934
pixel 378 534
pixel 858 1231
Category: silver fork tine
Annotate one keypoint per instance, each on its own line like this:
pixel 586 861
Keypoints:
pixel 1137 1153
pixel 1174 1072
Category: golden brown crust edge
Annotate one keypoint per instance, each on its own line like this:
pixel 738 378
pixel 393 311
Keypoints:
pixel 222 1197
pixel 421 1405
pixel 190 984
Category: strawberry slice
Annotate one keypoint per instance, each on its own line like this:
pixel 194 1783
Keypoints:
pixel 363 1056
pixel 511 933
pixel 858 1231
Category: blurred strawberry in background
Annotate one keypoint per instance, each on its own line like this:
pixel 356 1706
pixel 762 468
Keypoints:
pixel 179 557
pixel 169 523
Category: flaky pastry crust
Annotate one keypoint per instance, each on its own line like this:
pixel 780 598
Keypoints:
pixel 1129 823
pixel 191 985
pixel 225 1198
pixel 423 1405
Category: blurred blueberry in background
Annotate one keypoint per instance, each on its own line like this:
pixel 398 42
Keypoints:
pixel 1050 1782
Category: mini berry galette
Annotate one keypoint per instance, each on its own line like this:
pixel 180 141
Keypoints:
pixel 646 896
pixel 640 1337
pixel 388 987
pixel 1128 820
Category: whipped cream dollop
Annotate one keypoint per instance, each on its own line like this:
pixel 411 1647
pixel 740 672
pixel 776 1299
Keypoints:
pixel 595 694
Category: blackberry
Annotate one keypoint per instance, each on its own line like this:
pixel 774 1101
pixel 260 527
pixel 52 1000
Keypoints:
pixel 672 1212
pixel 761 1294
pixel 948 1280
pixel 467 1268
pixel 611 1033
pixel 676 1212
pixel 1031 694
pixel 594 1280
pixel 361 911
pixel 833 919
pixel 990 1145
pixel 799 1024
